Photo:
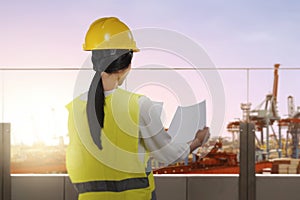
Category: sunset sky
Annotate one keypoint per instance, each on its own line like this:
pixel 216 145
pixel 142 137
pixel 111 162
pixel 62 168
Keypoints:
pixel 234 34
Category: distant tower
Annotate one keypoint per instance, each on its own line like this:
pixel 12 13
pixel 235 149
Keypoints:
pixel 246 111
pixel 295 132
pixel 291 106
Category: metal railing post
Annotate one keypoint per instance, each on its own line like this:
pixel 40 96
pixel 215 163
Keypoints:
pixel 247 178
pixel 5 182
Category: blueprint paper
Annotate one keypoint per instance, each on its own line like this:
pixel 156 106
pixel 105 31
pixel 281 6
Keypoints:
pixel 187 121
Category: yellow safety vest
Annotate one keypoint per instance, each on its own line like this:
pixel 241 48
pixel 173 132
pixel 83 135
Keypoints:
pixel 116 172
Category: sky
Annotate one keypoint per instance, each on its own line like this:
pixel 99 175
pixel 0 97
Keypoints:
pixel 234 33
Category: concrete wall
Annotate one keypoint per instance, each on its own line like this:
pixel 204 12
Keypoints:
pixel 194 187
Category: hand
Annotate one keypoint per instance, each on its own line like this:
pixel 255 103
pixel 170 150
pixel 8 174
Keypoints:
pixel 201 138
pixel 202 135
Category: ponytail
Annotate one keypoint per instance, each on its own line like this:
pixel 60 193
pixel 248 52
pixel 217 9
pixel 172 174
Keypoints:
pixel 110 61
pixel 120 63
pixel 99 103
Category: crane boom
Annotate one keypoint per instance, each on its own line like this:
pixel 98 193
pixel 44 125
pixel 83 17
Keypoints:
pixel 275 84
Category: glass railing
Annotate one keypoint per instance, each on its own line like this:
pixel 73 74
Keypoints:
pixel 34 100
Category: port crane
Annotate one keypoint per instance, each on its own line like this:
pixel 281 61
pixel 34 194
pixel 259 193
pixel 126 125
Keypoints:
pixel 264 116
pixel 292 123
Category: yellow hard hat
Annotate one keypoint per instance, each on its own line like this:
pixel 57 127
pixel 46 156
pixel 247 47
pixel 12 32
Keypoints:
pixel 109 33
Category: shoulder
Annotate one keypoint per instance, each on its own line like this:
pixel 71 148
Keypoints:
pixel 149 107
pixel 83 97
pixel 79 101
pixel 126 92
pixel 145 102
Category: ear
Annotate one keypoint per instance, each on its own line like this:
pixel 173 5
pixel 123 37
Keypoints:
pixel 104 75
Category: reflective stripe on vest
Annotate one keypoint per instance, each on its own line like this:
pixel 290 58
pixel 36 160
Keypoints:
pixel 112 186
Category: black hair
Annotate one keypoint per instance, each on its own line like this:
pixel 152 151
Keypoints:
pixel 122 62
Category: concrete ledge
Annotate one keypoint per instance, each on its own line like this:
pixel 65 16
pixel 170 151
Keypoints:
pixel 175 187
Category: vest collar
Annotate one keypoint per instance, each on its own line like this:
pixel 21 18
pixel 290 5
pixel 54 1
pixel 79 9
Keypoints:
pixel 108 92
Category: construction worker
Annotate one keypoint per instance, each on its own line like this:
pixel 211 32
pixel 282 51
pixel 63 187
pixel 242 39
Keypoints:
pixel 113 132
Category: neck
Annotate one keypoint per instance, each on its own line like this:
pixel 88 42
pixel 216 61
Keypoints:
pixel 109 82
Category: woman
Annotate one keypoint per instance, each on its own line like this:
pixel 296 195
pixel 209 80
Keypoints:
pixel 113 132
